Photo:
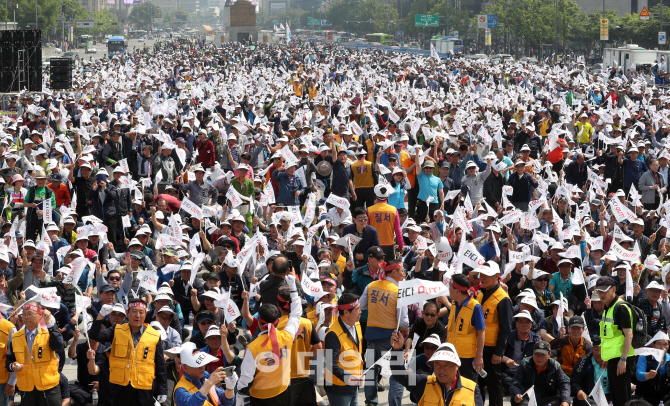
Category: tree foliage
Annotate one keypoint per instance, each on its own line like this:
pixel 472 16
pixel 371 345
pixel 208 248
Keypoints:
pixel 142 14
pixel 105 23
pixel 364 16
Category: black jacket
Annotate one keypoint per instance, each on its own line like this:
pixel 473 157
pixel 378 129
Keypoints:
pixel 124 201
pixel 99 208
pixel 556 380
pixel 493 186
pixel 526 351
pixel 269 289
pixel 583 377
pixel 576 174
pixel 183 297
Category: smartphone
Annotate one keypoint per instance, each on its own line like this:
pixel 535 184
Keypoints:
pixel 229 370
pixel 101 178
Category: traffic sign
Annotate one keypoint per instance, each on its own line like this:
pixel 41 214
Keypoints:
pixel 492 21
pixel 313 21
pixel 157 20
pixel 325 23
pixel 661 38
pixel 426 20
pixel 84 24
pixel 644 14
pixel 482 21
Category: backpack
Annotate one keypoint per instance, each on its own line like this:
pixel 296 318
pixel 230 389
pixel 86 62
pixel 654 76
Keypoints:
pixel 639 324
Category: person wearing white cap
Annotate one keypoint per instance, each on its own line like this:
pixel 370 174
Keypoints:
pixel 265 371
pixel 584 130
pixel 466 327
pixel 385 219
pixel 165 164
pixel 652 184
pixel 519 346
pixel 498 314
pixel 200 192
pixel 419 364
pixel 651 306
pixel 165 316
pixel 197 386
pixel 633 168
pixel 653 382
pixel 33 202
pixel 445 386
pixel 244 185
pixel 289 185
pixel 473 180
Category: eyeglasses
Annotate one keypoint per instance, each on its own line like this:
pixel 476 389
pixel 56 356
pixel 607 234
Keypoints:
pixel 245 158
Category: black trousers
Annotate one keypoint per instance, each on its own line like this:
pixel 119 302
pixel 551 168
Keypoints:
pixel 365 196
pixel 49 397
pixel 283 399
pixel 302 391
pixel 33 226
pixel 620 384
pixel 80 394
pixel 467 370
pixel 492 383
pixel 554 400
pixel 422 210
pixel 110 222
pixel 591 402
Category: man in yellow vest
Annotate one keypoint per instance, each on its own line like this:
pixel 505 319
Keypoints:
pixel 344 344
pixel 265 372
pixel 430 389
pixel 616 335
pixel 466 327
pixel 136 363
pixel 364 180
pixel 385 219
pixel 7 379
pixel 32 357
pixel 380 298
pixel 305 344
pixel 197 386
pixel 498 313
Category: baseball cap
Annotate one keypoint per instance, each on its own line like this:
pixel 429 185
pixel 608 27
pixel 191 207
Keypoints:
pixel 541 347
pixel 576 321
pixel 604 283
pixel 375 252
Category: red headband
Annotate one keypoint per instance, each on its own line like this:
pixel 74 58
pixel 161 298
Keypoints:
pixel 32 307
pixel 459 287
pixel 137 304
pixel 348 306
pixel 272 335
pixel 287 305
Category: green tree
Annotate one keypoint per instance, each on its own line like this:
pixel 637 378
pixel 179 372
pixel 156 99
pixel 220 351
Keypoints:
pixel 461 21
pixel 365 16
pixel 142 14
pixel 105 23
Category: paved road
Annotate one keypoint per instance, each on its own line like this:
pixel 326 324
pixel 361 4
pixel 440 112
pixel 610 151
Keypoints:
pixel 102 49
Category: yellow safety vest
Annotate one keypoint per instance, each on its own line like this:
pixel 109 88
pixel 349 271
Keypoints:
pixel 271 379
pixel 432 395
pixel 40 367
pixel 349 358
pixel 490 308
pixel 382 299
pixel 461 333
pixel 365 179
pixel 133 364
pixel 5 330
pixel 382 218
pixel 301 347
pixel 612 337
pixel 191 388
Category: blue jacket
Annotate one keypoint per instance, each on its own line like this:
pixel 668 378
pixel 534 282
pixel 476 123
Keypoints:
pixel 523 187
pixel 576 174
pixel 99 208
pixel 183 398
pixel 55 246
pixel 632 170
pixel 286 193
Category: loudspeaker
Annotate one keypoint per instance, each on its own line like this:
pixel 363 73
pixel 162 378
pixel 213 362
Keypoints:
pixel 12 42
pixel 60 73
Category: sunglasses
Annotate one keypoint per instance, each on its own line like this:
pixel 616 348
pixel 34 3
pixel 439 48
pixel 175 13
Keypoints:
pixel 116 278
pixel 430 314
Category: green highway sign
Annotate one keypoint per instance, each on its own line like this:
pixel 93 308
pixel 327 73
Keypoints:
pixel 426 20
pixel 313 21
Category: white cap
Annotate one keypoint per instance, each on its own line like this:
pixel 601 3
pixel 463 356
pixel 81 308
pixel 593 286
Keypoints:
pixel 530 301
pixel 661 335
pixel 446 352
pixel 157 326
pixel 490 268
pixel 213 331
pixel 655 285
pixel 193 358
pixel 523 315
pixel 383 191
pixel 166 309
pixel 432 339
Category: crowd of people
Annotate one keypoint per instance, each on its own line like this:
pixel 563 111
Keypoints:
pixel 296 224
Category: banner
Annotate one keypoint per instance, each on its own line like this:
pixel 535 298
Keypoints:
pixel 623 254
pixel 418 290
pixel 149 280
pixel 192 209
pixel 235 197
pixel 312 288
pixel 340 202
pixel 78 266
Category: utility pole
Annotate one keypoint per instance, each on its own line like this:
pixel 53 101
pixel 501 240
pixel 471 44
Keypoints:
pixel 36 26
pixel 446 13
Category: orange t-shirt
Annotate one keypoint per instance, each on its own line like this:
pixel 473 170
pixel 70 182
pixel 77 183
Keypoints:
pixel 556 154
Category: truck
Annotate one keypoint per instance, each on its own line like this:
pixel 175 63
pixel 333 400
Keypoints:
pixel 448 44
pixel 629 55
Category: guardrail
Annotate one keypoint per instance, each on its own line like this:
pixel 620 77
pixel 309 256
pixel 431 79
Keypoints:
pixel 391 49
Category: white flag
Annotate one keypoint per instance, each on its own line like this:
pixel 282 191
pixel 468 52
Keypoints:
pixel 149 280
pixel 598 394
pixel 192 208
pixel 433 52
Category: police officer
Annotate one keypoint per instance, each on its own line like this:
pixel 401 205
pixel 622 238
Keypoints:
pixel 32 356
pixel 430 389
pixel 136 363
pixel 497 308
pixel 551 385
pixel 617 336
pixel 466 327
pixel 265 374
pixel 589 368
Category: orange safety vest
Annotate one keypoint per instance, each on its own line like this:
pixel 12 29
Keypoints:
pixel 191 388
pixel 490 308
pixel 382 217
pixel 271 379
pixel 5 330
pixel 461 333
pixel 349 358
pixel 382 299
pixel 40 367
pixel 432 395
pixel 130 364
pixel 302 346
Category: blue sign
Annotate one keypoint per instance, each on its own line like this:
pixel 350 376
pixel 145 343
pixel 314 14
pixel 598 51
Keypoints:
pixel 400 33
pixel 492 20
pixel 325 23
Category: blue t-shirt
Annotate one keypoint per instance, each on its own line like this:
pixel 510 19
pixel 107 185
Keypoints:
pixel 429 185
pixel 560 285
